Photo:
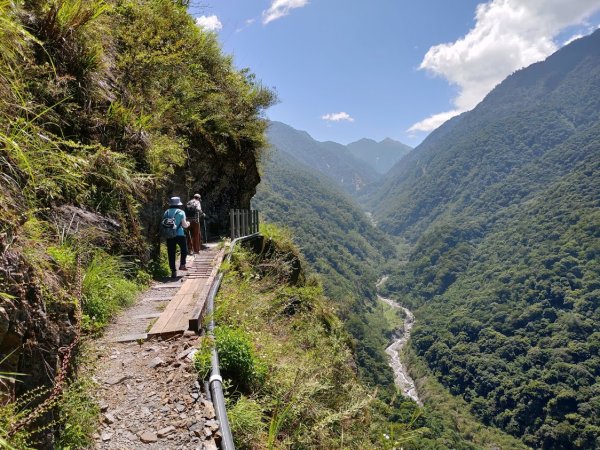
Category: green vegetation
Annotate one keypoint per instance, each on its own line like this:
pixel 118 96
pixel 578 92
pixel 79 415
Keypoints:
pixel 501 208
pixel 333 161
pixel 80 415
pixel 102 102
pixel 285 334
pixel 381 156
pixel 105 290
pixel 288 336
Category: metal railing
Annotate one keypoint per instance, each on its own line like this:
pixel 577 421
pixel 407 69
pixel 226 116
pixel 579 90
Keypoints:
pixel 215 381
pixel 243 222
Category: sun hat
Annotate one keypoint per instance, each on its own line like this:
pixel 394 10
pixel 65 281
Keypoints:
pixel 197 196
pixel 175 201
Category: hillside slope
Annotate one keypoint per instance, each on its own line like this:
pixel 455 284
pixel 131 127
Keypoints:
pixel 348 252
pixel 503 205
pixel 92 145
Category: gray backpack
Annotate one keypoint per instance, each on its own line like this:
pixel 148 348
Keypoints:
pixel 168 226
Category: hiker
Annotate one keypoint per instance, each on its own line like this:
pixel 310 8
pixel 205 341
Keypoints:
pixel 172 228
pixel 193 211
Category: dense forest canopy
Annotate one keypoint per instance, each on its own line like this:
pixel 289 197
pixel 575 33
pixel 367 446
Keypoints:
pixel 502 207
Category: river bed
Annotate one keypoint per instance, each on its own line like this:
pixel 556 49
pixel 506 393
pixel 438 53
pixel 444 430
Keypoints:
pixel 401 377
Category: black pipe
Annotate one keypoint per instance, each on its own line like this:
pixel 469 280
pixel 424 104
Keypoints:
pixel 215 381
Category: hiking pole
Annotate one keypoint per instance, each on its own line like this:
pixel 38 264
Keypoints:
pixel 204 226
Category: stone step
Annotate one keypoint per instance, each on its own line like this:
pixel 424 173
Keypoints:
pixel 131 337
pixel 148 316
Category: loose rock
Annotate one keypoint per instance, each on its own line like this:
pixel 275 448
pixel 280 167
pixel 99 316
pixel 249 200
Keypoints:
pixel 165 431
pixel 148 437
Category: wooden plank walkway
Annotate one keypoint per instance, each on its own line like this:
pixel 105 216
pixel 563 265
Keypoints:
pixel 193 293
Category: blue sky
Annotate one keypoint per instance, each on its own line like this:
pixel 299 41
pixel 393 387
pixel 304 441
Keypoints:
pixel 348 69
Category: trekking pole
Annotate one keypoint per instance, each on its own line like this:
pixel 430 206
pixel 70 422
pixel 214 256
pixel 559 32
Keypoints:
pixel 204 226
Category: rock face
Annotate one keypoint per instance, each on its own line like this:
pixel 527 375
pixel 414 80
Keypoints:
pixel 32 330
pixel 225 178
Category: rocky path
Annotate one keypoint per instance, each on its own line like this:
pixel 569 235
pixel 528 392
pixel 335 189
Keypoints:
pixel 148 390
pixel 401 377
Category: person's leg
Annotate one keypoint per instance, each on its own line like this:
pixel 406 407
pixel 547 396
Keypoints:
pixel 171 248
pixel 183 248
pixel 195 232
pixel 200 235
pixel 189 236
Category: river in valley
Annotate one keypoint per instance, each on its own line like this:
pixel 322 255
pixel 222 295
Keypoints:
pixel 401 377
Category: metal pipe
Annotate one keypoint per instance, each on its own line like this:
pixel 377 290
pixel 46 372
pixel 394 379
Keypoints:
pixel 215 381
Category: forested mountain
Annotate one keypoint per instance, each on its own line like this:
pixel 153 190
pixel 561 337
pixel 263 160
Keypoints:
pixel 381 156
pixel 330 158
pixel 502 205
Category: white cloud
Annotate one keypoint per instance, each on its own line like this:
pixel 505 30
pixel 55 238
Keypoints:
pixel 280 8
pixel 338 117
pixel 508 35
pixel 209 23
pixel 434 121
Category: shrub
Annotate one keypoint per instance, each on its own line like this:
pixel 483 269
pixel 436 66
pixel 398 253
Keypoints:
pixel 80 415
pixel 236 358
pixel 202 358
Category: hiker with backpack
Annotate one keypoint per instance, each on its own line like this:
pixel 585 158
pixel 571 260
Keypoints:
pixel 193 211
pixel 172 229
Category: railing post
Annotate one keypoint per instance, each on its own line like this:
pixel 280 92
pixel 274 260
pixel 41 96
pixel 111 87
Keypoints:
pixel 243 222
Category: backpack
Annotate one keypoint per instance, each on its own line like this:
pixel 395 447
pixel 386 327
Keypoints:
pixel 191 211
pixel 168 227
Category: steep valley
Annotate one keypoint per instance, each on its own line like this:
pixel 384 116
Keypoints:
pixel 499 209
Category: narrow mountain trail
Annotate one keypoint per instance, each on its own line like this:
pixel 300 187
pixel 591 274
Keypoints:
pixel 148 390
pixel 401 377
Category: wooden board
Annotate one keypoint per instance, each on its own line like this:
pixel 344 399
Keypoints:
pixel 191 295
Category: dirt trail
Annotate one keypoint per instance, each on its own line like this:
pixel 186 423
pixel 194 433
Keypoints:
pixel 148 390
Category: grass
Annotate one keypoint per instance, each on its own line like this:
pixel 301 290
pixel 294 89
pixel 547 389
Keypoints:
pixel 105 290
pixel 309 396
pixel 80 415
pixel 393 316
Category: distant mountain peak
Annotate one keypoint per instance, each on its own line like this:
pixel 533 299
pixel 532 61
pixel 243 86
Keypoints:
pixel 364 141
pixel 379 155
